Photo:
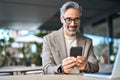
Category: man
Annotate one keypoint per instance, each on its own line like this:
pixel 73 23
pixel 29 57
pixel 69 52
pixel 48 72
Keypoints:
pixel 56 46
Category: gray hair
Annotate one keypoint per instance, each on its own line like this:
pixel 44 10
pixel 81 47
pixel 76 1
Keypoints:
pixel 68 5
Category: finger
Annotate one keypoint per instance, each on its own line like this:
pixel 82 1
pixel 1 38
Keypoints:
pixel 70 66
pixel 67 70
pixel 68 62
pixel 67 59
pixel 82 58
pixel 81 64
pixel 79 61
pixel 79 57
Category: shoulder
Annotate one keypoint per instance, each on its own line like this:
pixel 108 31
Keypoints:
pixel 87 38
pixel 79 35
pixel 51 35
pixel 84 38
pixel 54 34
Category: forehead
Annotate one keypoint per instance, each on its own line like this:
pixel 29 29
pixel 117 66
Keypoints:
pixel 72 12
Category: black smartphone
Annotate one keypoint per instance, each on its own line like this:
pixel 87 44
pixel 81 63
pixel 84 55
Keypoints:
pixel 76 51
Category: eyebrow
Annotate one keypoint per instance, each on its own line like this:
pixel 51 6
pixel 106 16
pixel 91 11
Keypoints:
pixel 71 18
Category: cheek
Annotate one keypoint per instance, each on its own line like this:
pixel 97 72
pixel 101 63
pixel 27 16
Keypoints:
pixel 78 25
pixel 65 25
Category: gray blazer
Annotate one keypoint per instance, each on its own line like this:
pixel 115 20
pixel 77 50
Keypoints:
pixel 54 51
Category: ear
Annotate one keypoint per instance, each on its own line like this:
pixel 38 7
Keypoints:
pixel 61 19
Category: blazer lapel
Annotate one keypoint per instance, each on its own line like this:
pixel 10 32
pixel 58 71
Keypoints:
pixel 81 42
pixel 61 44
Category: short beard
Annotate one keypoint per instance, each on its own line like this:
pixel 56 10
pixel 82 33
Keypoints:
pixel 71 32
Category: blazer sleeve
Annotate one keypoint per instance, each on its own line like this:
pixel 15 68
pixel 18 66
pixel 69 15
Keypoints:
pixel 92 65
pixel 49 66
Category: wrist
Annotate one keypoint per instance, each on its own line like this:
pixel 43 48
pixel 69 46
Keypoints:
pixel 60 69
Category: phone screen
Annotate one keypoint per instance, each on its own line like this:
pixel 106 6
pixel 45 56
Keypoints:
pixel 76 51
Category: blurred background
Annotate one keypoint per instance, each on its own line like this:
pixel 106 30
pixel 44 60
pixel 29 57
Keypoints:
pixel 24 23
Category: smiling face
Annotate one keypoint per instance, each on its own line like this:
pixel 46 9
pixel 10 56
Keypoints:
pixel 72 15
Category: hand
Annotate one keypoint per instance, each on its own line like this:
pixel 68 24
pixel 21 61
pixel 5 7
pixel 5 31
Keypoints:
pixel 81 62
pixel 68 64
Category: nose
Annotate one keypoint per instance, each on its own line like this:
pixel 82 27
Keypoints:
pixel 72 23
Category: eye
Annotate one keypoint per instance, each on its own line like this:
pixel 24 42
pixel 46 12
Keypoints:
pixel 77 20
pixel 68 19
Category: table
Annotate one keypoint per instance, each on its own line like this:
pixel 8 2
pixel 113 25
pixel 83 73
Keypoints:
pixel 15 70
pixel 50 77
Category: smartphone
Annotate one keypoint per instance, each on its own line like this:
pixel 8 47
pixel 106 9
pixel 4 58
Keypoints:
pixel 76 51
